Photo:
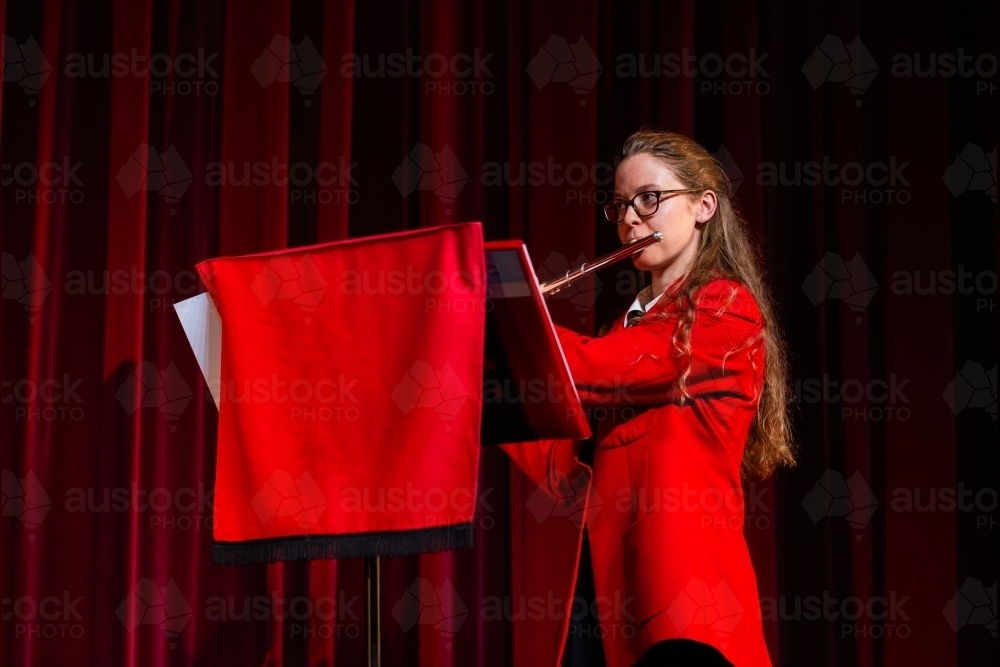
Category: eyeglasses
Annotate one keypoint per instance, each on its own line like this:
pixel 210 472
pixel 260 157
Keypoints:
pixel 644 203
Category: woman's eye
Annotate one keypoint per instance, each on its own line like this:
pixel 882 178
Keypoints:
pixel 647 197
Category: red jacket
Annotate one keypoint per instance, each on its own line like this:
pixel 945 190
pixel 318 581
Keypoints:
pixel 667 531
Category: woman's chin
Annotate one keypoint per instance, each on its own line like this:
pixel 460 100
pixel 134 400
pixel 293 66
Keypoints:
pixel 653 259
pixel 641 263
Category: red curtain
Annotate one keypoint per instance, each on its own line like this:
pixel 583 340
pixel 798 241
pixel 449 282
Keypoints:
pixel 224 128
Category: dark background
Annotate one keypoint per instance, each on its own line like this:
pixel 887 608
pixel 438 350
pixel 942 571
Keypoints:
pixel 893 460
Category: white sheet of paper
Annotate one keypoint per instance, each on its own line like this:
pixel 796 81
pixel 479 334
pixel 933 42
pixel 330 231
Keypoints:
pixel 203 328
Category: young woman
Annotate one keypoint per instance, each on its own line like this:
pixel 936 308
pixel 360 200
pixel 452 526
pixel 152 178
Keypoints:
pixel 693 382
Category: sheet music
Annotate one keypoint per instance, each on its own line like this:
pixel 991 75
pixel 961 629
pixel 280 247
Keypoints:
pixel 203 328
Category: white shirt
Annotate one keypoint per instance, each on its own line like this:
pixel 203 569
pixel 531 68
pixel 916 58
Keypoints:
pixel 638 306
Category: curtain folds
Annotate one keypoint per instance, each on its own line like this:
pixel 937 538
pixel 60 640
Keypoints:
pixel 145 136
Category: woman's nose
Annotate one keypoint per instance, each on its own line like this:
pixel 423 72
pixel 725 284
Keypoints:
pixel 631 217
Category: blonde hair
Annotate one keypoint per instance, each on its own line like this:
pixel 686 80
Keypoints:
pixel 726 251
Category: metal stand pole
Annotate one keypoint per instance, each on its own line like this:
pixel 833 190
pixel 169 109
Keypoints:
pixel 372 611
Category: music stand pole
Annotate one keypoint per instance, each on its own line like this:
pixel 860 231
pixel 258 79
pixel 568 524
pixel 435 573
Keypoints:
pixel 372 611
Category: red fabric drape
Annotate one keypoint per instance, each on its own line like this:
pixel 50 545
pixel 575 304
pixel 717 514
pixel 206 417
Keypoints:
pixel 3 16
pixel 125 314
pixel 162 176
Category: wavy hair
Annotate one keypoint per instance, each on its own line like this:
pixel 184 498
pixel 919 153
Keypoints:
pixel 726 251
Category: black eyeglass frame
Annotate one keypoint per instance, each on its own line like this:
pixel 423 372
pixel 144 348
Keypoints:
pixel 619 213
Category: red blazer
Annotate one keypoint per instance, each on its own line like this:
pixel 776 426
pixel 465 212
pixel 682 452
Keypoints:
pixel 665 516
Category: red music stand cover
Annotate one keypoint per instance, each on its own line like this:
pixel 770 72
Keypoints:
pixel 350 397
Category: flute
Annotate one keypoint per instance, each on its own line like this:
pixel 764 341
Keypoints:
pixel 627 250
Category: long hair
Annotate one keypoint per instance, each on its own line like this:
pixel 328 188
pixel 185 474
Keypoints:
pixel 726 251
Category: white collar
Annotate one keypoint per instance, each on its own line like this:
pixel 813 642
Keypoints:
pixel 638 306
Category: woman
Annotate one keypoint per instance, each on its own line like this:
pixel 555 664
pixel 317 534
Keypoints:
pixel 693 383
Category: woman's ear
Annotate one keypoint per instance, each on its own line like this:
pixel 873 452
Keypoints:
pixel 706 206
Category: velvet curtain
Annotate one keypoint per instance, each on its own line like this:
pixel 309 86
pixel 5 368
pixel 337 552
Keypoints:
pixel 140 137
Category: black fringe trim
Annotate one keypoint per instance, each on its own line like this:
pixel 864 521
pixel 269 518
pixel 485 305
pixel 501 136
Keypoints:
pixel 359 545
